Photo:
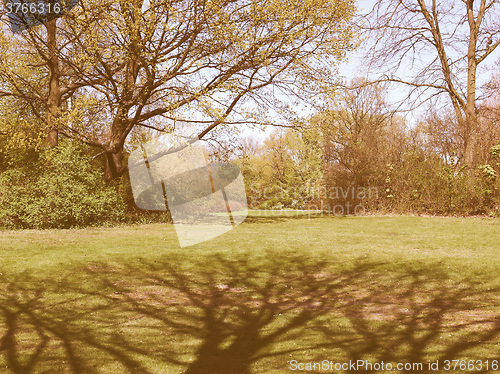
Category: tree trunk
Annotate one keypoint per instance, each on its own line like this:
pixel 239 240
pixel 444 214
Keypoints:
pixel 471 139
pixel 114 165
pixel 54 97
pixel 470 109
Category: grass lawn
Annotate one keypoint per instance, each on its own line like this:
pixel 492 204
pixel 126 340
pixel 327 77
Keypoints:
pixel 271 295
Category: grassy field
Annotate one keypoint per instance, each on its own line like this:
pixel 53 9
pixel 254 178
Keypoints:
pixel 267 297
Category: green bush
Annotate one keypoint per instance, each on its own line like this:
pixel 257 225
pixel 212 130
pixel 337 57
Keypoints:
pixel 61 189
pixel 425 184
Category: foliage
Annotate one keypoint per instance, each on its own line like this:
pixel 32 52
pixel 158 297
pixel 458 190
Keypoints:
pixel 21 135
pixel 115 67
pixel 113 74
pixel 61 189
pixel 361 158
pixel 284 170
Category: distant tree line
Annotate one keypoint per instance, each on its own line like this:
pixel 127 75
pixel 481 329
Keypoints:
pixel 359 156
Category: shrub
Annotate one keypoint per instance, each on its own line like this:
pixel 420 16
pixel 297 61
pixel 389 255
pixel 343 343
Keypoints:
pixel 60 190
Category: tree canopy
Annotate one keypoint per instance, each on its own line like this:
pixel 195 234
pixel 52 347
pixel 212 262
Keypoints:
pixel 108 69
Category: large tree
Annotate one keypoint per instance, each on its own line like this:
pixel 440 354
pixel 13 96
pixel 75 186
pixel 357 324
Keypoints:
pixel 435 47
pixel 152 64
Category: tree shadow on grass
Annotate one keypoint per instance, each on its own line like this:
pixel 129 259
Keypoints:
pixel 218 314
